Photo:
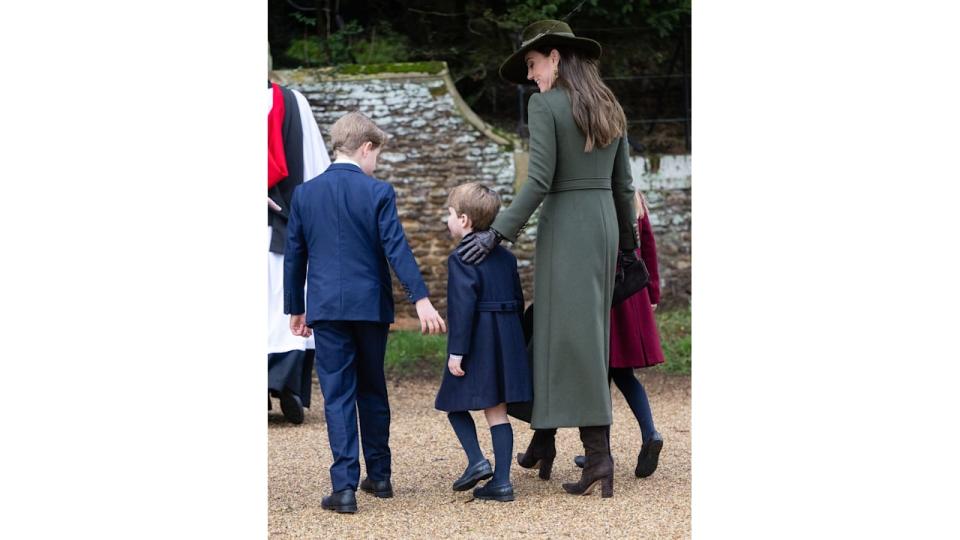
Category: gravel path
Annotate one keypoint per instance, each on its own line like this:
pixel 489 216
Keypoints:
pixel 427 459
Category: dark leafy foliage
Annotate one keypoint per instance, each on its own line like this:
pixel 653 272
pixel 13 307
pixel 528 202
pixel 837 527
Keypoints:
pixel 641 39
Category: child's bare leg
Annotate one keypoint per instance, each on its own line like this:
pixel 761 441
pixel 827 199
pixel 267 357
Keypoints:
pixel 502 434
pixel 496 415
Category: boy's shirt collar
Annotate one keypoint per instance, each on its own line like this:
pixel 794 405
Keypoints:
pixel 346 161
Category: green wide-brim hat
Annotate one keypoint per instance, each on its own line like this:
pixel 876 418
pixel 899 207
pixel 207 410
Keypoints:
pixel 548 33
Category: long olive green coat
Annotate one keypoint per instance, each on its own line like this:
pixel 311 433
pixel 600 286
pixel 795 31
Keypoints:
pixel 587 212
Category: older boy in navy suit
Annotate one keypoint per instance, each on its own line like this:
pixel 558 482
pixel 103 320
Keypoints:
pixel 344 224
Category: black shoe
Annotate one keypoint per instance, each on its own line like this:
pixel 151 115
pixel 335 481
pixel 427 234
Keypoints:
pixel 378 488
pixel 487 492
pixel 480 470
pixel 344 502
pixel 649 456
pixel 291 407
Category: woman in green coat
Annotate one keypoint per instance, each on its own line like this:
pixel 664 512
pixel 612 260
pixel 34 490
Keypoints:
pixel 579 170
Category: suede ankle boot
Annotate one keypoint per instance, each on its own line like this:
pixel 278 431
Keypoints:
pixel 540 453
pixel 599 466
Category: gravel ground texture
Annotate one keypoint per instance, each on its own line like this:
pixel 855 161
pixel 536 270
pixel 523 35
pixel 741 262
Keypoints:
pixel 427 459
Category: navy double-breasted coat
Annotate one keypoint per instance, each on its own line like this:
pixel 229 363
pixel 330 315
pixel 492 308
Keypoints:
pixel 484 306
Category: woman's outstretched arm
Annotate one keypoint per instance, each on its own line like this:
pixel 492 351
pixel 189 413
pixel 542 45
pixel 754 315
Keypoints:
pixel 543 163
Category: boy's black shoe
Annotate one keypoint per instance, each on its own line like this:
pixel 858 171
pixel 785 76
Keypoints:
pixel 377 488
pixel 649 456
pixel 344 502
pixel 291 407
pixel 487 492
pixel 480 470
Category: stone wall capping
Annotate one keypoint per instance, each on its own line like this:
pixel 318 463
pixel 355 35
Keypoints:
pixel 413 71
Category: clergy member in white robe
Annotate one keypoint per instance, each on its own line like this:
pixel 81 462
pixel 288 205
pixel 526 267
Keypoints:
pixel 289 357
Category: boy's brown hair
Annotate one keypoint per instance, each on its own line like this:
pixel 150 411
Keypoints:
pixel 477 202
pixel 353 129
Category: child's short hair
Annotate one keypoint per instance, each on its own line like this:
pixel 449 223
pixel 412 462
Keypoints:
pixel 477 202
pixel 353 129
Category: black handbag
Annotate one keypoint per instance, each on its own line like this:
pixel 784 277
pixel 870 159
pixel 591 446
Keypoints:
pixel 629 280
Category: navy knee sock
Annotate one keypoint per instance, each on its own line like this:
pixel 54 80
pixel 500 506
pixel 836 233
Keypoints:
pixel 466 432
pixel 502 435
pixel 636 397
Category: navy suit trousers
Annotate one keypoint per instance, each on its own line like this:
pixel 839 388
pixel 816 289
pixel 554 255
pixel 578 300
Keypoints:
pixel 349 361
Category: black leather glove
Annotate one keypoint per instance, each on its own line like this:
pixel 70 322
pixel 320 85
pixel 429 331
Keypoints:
pixel 627 258
pixel 479 245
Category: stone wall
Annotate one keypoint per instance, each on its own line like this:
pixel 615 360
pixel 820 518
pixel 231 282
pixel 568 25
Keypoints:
pixel 665 180
pixel 437 142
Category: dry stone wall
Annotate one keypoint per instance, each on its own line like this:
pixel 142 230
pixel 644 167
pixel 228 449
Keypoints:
pixel 666 180
pixel 432 148
pixel 436 143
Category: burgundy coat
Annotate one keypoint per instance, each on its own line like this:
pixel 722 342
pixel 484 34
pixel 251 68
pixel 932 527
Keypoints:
pixel 634 340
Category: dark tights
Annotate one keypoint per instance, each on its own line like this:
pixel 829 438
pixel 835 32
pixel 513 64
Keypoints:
pixel 636 397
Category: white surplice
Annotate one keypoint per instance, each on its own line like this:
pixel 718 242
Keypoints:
pixel 315 161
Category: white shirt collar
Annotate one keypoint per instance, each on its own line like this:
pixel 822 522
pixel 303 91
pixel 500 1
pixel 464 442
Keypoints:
pixel 341 159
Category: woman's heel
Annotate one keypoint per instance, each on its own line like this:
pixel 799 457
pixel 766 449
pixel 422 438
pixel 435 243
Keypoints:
pixel 606 487
pixel 598 467
pixel 540 453
pixel 546 466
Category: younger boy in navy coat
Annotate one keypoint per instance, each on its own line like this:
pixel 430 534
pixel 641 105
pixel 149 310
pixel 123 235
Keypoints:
pixel 344 224
pixel 487 366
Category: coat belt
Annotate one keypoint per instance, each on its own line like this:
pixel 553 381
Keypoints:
pixel 511 305
pixel 580 183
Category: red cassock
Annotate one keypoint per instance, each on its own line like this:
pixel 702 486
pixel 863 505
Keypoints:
pixel 634 340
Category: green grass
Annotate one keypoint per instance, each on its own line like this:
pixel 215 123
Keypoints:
pixel 674 328
pixel 410 353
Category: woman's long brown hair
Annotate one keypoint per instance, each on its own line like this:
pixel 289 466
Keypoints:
pixel 596 110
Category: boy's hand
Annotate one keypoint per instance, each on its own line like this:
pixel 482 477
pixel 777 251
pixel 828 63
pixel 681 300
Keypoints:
pixel 430 320
pixel 453 364
pixel 654 306
pixel 298 325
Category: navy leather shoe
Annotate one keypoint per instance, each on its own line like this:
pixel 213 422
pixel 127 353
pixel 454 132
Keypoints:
pixel 377 488
pixel 487 492
pixel 291 406
pixel 649 456
pixel 344 502
pixel 480 470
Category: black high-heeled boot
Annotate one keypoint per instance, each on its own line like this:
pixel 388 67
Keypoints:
pixel 599 465
pixel 540 453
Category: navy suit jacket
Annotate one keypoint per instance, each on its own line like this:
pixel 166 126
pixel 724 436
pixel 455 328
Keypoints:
pixel 342 232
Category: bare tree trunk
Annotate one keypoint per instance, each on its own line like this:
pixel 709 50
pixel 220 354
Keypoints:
pixel 326 40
